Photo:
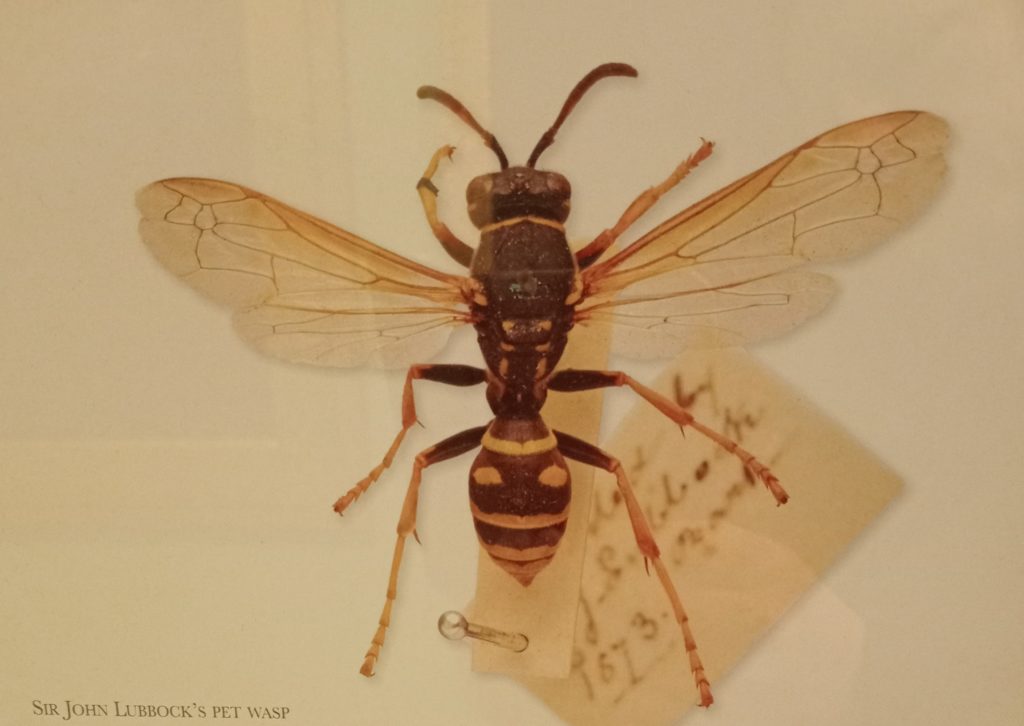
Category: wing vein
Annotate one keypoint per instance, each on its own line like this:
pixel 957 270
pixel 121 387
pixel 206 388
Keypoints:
pixel 724 270
pixel 302 289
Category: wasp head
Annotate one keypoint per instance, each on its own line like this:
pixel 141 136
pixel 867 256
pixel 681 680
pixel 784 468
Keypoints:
pixel 521 191
pixel 518 191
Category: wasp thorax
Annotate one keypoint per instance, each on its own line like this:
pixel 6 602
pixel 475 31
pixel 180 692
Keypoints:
pixel 518 191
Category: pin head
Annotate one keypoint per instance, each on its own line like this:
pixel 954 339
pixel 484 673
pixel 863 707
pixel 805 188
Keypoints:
pixel 452 625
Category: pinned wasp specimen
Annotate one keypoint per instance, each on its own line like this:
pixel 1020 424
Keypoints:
pixel 721 272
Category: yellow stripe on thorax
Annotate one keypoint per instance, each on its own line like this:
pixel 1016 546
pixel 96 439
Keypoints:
pixel 516 220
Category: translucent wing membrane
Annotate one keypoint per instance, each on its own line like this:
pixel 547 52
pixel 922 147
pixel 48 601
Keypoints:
pixel 302 290
pixel 720 272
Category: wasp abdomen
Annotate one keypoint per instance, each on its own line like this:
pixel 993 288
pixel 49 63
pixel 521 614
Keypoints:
pixel 519 494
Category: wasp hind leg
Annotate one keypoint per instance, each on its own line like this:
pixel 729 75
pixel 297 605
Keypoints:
pixel 581 451
pixel 453 375
pixel 451 447
pixel 579 380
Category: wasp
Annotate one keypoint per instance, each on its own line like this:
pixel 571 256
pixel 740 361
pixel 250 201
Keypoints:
pixel 724 271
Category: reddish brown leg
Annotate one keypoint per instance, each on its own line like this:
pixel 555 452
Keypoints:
pixel 571 380
pixel 459 250
pixel 579 450
pixel 452 446
pixel 589 254
pixel 453 375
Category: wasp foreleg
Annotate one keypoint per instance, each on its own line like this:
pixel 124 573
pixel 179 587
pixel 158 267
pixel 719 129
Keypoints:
pixel 453 375
pixel 580 380
pixel 451 447
pixel 589 254
pixel 459 250
pixel 580 450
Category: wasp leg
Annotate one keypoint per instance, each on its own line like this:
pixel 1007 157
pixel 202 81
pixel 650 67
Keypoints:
pixel 453 375
pixel 589 254
pixel 451 447
pixel 579 450
pixel 573 380
pixel 459 250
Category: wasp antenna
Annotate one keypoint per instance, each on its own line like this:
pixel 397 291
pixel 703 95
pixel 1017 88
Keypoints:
pixel 449 101
pixel 602 71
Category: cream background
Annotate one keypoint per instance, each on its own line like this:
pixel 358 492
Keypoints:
pixel 165 524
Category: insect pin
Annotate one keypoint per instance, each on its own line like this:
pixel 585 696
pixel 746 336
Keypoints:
pixel 454 626
pixel 721 272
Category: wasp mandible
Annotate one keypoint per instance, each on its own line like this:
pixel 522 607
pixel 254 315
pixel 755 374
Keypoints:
pixel 721 272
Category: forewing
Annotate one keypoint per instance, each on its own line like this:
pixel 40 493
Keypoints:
pixel 302 289
pixel 720 272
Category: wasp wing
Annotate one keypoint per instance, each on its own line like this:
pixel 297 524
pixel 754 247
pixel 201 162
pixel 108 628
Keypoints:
pixel 302 289
pixel 721 272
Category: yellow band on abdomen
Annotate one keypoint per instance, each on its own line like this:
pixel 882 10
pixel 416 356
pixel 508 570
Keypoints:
pixel 518 448
pixel 516 521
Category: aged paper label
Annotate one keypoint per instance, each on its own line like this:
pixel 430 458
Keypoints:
pixel 737 559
